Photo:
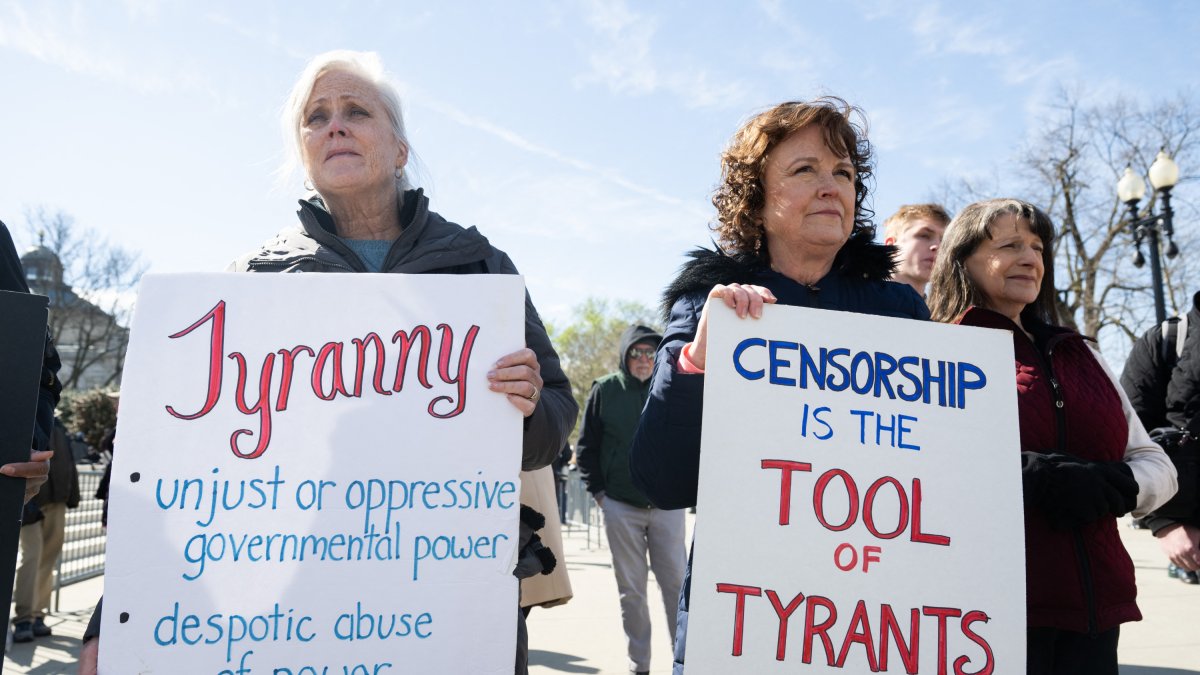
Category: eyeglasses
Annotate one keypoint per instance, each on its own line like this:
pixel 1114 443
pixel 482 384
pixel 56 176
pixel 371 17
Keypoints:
pixel 641 353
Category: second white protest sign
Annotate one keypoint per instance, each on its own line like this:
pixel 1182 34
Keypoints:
pixel 859 498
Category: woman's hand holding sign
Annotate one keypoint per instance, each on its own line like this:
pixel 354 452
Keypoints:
pixel 744 299
pixel 519 376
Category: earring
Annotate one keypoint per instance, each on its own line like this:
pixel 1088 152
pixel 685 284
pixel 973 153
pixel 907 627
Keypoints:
pixel 399 172
pixel 309 186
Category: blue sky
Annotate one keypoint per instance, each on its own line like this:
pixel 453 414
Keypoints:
pixel 581 137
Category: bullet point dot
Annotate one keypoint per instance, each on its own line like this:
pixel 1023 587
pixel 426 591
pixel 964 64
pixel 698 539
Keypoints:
pixel 124 617
pixel 135 477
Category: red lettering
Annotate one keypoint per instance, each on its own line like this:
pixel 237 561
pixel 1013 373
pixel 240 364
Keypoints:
pixel 819 499
pixel 821 618
pixel 909 651
pixel 337 385
pixel 328 359
pixel 360 364
pixel 406 344
pixel 784 613
pixel 869 508
pixel 917 535
pixel 288 357
pixel 786 468
pixel 261 407
pixel 821 630
pixel 464 359
pixel 216 349
pixel 942 613
pixel 837 557
pixel 870 555
pixel 859 633
pixel 739 610
pixel 969 618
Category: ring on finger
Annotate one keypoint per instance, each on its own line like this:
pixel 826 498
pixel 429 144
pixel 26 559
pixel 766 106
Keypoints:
pixel 534 396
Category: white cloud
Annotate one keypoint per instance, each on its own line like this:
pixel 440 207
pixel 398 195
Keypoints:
pixel 63 39
pixel 945 116
pixel 955 35
pixel 1023 71
pixel 140 9
pixel 874 10
pixel 573 236
pixel 624 62
pixel 1031 75
pixel 517 140
pixel 269 38
pixel 800 55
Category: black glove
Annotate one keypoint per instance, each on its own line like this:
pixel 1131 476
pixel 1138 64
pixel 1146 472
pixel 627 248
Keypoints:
pixel 1073 492
pixel 1120 477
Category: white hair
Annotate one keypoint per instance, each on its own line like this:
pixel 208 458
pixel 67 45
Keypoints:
pixel 365 65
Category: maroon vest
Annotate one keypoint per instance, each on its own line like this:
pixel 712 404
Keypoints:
pixel 1080 580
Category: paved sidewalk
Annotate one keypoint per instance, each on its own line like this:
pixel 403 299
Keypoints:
pixel 585 635
pixel 59 652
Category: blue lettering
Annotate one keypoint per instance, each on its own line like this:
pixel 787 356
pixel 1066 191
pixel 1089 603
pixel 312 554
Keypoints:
pixel 737 358
pixel 855 366
pixel 830 356
pixel 828 429
pixel 811 366
pixel 907 362
pixel 905 429
pixel 777 362
pixel 977 381
pixel 885 365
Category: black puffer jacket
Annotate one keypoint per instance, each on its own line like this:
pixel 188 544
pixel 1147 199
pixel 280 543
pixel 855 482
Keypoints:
pixel 1170 399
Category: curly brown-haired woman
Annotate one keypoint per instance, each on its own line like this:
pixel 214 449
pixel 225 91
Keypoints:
pixel 793 228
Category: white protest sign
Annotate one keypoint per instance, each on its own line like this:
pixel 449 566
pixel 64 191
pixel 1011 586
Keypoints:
pixel 859 498
pixel 312 477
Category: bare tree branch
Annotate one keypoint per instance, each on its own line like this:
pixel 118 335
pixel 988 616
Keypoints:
pixel 89 282
pixel 1070 167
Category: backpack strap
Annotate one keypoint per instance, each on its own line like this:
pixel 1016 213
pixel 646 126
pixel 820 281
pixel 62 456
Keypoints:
pixel 1174 340
pixel 1181 330
pixel 1171 347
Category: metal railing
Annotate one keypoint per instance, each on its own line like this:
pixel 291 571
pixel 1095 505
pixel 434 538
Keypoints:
pixel 83 540
pixel 582 511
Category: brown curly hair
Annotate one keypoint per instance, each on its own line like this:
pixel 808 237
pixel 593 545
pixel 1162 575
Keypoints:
pixel 740 198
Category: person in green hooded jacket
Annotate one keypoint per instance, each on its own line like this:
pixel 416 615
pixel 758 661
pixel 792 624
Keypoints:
pixel 635 528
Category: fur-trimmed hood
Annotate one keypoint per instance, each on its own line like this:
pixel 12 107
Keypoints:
pixel 860 256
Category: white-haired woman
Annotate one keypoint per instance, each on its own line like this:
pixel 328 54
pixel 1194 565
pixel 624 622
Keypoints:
pixel 344 127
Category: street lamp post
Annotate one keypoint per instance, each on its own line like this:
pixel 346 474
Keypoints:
pixel 1164 173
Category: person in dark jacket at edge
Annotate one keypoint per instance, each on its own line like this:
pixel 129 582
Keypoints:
pixel 794 229
pixel 1085 458
pixel 42 540
pixel 634 526
pixel 1164 389
pixel 346 129
pixel 37 469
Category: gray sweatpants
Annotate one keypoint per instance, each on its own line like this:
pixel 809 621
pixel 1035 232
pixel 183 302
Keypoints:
pixel 633 533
